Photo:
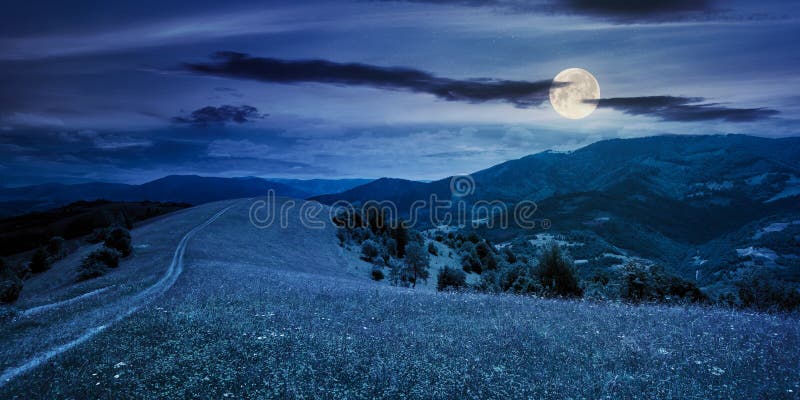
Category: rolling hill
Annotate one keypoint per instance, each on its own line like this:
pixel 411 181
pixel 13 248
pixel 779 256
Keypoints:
pixel 210 306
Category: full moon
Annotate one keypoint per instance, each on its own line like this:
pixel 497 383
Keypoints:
pixel 570 100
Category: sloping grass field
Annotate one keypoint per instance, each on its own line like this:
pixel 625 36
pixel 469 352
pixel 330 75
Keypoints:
pixel 280 313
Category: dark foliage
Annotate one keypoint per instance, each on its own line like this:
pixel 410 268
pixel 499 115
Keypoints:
pixel 10 284
pixel 557 275
pixel 39 262
pixel 97 263
pixel 119 239
pixel 450 278
pixel 432 249
pixel 26 232
pixel 369 250
pixel 765 295
pixel 55 246
pixel 377 274
pixel 651 284
pixel 416 263
pixel 400 235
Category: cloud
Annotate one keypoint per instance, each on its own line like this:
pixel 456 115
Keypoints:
pixel 635 10
pixel 683 109
pixel 243 66
pixel 220 115
pixel 622 11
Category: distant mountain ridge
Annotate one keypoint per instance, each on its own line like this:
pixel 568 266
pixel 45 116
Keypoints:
pixel 663 197
pixel 191 189
pixel 316 187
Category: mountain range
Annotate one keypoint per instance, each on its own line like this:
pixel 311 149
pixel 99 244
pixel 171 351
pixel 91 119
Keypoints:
pixel 670 199
pixel 190 189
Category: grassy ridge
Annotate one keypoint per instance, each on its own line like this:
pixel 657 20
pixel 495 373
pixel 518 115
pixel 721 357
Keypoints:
pixel 253 334
pixel 250 319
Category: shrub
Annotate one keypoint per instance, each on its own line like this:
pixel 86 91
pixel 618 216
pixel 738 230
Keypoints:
pixel 10 284
pixel 97 235
pixel 369 250
pixel 762 294
pixel 557 274
pixel 391 247
pixel 109 257
pixel 119 239
pixel 450 278
pixel 377 274
pixel 97 263
pixel 55 246
pixel 341 234
pixel 511 258
pixel 651 283
pixel 432 249
pixel 39 262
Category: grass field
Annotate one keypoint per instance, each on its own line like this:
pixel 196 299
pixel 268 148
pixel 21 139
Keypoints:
pixel 280 313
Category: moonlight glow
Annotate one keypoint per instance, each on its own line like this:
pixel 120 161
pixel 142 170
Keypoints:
pixel 570 100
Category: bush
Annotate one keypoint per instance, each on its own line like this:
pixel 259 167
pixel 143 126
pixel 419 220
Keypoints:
pixel 119 239
pixel 432 249
pixel 97 263
pixel 10 284
pixel 377 274
pixel 369 250
pixel 55 246
pixel 450 278
pixel 391 247
pixel 651 283
pixel 519 279
pixel 39 262
pixel 98 235
pixel 557 274
pixel 762 294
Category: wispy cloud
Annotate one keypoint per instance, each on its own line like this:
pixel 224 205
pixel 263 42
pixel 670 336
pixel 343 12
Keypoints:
pixel 619 11
pixel 683 109
pixel 243 66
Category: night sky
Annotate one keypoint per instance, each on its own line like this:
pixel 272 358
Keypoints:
pixel 98 91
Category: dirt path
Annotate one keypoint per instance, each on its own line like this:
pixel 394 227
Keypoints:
pixel 133 304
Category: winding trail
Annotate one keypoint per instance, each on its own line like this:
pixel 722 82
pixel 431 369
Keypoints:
pixel 135 303
pixel 58 304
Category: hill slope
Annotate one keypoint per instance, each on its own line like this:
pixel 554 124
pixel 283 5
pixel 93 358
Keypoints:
pixel 279 312
pixel 660 197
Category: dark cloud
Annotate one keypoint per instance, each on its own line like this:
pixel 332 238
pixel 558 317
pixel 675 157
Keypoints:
pixel 684 109
pixel 624 11
pixel 243 66
pixel 636 10
pixel 220 115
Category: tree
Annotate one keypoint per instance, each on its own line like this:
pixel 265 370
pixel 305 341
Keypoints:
pixel 369 250
pixel 416 262
pixel 39 261
pixel 400 235
pixel 557 274
pixel 119 239
pixel 450 278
